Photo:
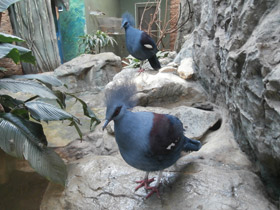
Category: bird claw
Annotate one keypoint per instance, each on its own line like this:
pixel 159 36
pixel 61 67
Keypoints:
pixel 141 70
pixel 144 183
pixel 153 190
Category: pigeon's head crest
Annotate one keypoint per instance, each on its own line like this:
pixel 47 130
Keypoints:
pixel 123 93
pixel 127 19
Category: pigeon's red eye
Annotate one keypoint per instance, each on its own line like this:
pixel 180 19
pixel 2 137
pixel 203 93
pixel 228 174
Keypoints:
pixel 117 111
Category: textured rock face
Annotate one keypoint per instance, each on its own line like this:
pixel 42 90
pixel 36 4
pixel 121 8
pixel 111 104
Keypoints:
pixel 156 89
pixel 89 72
pixel 235 47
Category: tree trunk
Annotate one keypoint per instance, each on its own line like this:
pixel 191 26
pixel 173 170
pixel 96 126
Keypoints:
pixel 33 21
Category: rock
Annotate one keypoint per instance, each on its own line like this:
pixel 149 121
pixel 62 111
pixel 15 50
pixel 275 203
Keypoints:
pixel 235 47
pixel 168 69
pixel 185 69
pixel 219 176
pixel 89 72
pixel 186 51
pixel 97 142
pixel 161 89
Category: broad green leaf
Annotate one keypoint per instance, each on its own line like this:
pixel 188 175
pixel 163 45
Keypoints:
pixel 12 139
pixel 27 87
pixel 5 49
pixel 46 162
pixel 17 53
pixel 9 102
pixel 31 130
pixel 17 140
pixel 4 4
pixel 43 111
pixel 8 38
pixel 47 79
pixel 27 58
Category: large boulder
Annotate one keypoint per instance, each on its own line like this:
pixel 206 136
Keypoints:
pixel 89 72
pixel 161 89
pixel 235 47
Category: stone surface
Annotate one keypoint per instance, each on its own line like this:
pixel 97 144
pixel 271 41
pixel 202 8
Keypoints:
pixel 219 176
pixel 168 69
pixel 235 47
pixel 89 72
pixel 98 142
pixel 161 89
pixel 185 70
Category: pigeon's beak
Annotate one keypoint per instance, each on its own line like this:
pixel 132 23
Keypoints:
pixel 105 124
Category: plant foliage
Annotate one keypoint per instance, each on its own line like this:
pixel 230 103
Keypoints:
pixel 92 44
pixel 22 134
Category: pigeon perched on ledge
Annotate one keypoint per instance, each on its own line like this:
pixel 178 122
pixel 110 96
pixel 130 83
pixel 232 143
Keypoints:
pixel 147 141
pixel 139 44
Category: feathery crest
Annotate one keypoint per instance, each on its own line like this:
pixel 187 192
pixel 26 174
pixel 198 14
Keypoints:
pixel 123 92
pixel 129 18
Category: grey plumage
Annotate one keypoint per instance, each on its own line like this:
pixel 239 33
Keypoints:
pixel 147 141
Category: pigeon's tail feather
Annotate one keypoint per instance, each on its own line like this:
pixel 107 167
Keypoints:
pixel 154 62
pixel 191 145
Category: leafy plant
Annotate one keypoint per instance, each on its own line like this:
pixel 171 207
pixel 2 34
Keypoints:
pixel 131 62
pixel 21 131
pixel 22 134
pixel 92 44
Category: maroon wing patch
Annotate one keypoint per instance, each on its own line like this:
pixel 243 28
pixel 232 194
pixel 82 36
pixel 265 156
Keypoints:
pixel 164 137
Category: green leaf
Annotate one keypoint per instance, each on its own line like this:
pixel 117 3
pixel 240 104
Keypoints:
pixel 4 4
pixel 46 79
pixel 8 38
pixel 9 102
pixel 27 87
pixel 14 55
pixel 87 111
pixel 61 97
pixel 43 111
pixel 46 162
pixel 73 123
pixel 17 53
pixel 31 130
pixel 25 139
pixel 28 58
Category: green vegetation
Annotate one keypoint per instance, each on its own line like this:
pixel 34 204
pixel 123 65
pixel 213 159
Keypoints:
pixel 21 131
pixel 92 44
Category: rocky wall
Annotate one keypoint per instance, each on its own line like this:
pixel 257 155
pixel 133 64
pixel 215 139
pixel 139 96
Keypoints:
pixel 235 46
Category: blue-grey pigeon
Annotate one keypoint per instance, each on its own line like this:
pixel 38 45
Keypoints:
pixel 139 44
pixel 147 141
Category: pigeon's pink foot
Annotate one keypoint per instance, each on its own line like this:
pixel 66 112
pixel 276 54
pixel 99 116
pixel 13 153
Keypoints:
pixel 153 190
pixel 144 183
pixel 141 70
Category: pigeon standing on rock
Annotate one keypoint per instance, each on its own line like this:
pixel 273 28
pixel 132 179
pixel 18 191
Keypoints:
pixel 147 141
pixel 139 44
